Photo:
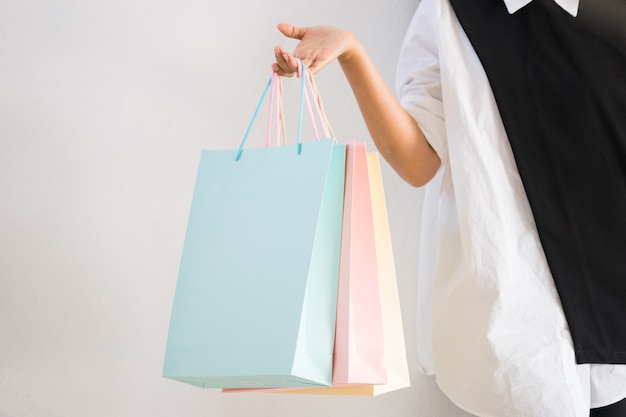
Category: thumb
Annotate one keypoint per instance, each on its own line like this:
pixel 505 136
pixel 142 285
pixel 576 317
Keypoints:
pixel 291 31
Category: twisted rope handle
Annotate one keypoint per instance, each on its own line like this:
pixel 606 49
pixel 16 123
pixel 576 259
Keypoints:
pixel 274 86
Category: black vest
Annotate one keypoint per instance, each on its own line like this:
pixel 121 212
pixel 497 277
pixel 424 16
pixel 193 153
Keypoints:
pixel 560 85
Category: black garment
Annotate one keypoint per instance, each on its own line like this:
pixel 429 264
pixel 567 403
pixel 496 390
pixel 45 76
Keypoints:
pixel 614 410
pixel 560 85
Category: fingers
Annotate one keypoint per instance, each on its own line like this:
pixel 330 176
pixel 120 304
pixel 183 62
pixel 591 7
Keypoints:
pixel 291 31
pixel 286 64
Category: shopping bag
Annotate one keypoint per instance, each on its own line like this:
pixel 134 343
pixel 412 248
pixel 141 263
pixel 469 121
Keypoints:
pixel 397 369
pixel 394 343
pixel 395 347
pixel 255 301
pixel 359 351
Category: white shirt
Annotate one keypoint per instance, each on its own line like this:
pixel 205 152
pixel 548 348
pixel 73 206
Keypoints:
pixel 490 323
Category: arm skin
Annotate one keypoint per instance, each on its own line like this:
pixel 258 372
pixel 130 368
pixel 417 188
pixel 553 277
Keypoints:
pixel 394 131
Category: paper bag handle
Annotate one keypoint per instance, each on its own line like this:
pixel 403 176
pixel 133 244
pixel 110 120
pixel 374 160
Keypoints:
pixel 276 101
pixel 306 81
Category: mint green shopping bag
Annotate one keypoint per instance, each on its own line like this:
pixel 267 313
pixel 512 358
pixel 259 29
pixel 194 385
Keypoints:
pixel 255 302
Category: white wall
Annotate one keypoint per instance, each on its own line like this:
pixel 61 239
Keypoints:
pixel 104 106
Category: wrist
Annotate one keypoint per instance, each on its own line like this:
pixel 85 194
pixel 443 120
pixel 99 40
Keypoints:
pixel 352 48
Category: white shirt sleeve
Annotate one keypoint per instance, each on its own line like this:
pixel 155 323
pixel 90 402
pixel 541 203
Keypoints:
pixel 418 80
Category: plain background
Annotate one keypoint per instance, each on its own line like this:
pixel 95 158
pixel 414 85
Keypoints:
pixel 104 107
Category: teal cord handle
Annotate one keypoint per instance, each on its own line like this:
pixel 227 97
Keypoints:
pixel 254 116
pixel 302 75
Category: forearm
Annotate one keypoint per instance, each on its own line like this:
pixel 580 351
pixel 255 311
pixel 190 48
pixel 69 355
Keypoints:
pixel 393 130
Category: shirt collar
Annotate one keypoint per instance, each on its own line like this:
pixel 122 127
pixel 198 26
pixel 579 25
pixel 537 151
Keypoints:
pixel 571 6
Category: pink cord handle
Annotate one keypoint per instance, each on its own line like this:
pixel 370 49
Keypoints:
pixel 274 86
pixel 275 101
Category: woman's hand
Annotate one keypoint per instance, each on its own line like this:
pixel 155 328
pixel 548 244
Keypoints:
pixel 394 131
pixel 318 46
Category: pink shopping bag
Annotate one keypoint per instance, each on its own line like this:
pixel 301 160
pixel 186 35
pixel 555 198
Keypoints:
pixel 359 350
